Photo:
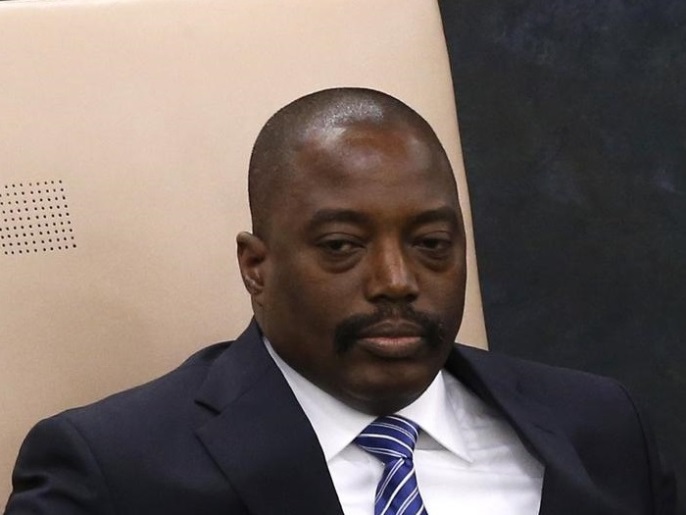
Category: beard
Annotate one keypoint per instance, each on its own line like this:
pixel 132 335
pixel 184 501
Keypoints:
pixel 350 330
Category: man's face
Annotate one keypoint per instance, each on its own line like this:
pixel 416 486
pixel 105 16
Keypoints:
pixel 364 271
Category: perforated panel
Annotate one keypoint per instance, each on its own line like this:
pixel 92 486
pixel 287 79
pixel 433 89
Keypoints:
pixel 35 218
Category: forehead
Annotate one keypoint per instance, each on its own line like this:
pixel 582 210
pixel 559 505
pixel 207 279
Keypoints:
pixel 366 157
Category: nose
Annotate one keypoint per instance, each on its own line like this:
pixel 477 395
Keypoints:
pixel 391 276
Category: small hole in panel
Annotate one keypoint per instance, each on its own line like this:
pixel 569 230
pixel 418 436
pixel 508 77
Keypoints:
pixel 40 197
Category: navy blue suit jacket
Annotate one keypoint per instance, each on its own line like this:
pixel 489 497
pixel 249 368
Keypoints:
pixel 224 435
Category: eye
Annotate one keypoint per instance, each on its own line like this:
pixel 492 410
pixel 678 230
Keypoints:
pixel 435 245
pixel 338 246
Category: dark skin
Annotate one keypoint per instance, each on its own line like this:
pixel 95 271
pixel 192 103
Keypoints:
pixel 367 222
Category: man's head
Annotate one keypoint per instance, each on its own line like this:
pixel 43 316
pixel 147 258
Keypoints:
pixel 356 267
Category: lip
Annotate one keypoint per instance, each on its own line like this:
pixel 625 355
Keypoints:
pixel 392 339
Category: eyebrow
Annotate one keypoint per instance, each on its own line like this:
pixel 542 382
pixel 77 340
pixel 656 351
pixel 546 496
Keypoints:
pixel 326 216
pixel 441 214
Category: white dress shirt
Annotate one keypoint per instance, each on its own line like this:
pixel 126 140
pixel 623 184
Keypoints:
pixel 468 459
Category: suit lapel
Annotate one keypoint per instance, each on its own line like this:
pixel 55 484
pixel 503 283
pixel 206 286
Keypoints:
pixel 260 437
pixel 567 487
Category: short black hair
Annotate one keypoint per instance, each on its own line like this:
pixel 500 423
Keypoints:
pixel 282 135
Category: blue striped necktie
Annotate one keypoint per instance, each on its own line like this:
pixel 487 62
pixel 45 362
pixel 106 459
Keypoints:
pixel 392 439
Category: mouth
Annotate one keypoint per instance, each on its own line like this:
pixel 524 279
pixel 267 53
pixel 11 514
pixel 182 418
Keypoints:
pixel 392 339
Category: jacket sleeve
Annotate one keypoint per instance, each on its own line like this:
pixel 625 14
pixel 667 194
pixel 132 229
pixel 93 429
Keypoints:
pixel 57 474
pixel 666 500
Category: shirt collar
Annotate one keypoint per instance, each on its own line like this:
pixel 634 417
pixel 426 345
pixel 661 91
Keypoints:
pixel 336 424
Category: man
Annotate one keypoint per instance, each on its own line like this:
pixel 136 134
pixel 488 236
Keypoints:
pixel 346 393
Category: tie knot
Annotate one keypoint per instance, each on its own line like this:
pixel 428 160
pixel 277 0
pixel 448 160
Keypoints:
pixel 389 438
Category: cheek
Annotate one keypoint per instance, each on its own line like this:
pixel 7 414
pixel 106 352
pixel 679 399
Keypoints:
pixel 302 292
pixel 445 294
pixel 308 284
pixel 456 302
pixel 304 310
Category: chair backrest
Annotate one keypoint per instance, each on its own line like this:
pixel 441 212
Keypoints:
pixel 125 132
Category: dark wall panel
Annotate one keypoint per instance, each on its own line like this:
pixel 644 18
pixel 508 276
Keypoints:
pixel 573 119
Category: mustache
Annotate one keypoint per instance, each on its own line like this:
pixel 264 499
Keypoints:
pixel 350 330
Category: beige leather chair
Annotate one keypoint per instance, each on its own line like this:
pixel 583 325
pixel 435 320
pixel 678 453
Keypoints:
pixel 125 131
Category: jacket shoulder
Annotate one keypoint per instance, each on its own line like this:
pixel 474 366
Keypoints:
pixel 533 376
pixel 171 390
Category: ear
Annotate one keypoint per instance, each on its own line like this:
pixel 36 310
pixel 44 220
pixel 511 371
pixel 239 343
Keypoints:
pixel 252 254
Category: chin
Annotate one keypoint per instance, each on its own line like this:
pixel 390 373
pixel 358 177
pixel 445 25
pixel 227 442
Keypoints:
pixel 383 397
